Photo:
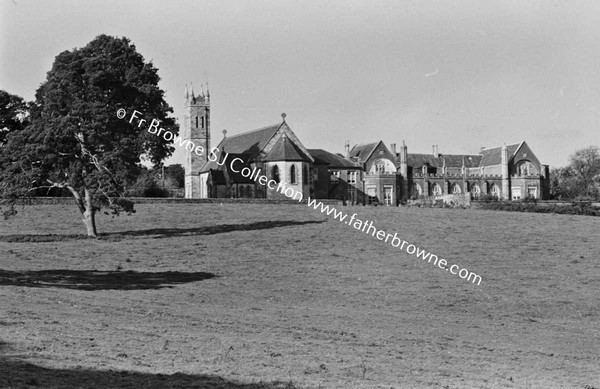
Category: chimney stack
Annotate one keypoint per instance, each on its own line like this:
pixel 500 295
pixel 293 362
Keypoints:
pixel 393 147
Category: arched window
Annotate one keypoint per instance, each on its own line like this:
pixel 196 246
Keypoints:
pixel 304 175
pixel 275 173
pixel 293 174
pixel 494 190
pixel 455 189
pixel 436 190
pixel 475 190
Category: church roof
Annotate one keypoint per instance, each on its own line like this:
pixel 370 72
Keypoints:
pixel 323 157
pixel 248 144
pixel 494 156
pixel 286 150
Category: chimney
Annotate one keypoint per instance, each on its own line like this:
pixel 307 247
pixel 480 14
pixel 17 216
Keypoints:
pixel 482 148
pixel 393 147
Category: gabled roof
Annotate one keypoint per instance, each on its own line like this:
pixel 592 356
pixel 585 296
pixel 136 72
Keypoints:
pixel 451 160
pixel 286 150
pixel 363 152
pixel 493 156
pixel 323 157
pixel 248 144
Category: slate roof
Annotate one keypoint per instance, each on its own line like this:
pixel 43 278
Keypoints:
pixel 286 150
pixel 362 152
pixel 323 157
pixel 494 156
pixel 248 144
pixel 452 160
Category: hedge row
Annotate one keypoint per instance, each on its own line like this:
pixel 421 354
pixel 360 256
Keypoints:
pixel 586 209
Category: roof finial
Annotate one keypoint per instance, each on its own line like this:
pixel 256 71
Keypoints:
pixel 187 92
pixel 283 115
pixel 201 90
pixel 224 133
pixel 192 89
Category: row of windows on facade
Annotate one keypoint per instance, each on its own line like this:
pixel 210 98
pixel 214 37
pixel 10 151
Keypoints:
pixel 293 174
pixel 436 190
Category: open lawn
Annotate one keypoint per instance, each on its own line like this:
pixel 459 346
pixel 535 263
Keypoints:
pixel 279 296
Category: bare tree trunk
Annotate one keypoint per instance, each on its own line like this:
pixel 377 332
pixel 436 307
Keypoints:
pixel 89 215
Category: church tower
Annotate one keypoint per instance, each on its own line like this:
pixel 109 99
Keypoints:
pixel 196 129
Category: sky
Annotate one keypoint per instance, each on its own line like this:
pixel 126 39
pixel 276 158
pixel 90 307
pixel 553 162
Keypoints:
pixel 460 74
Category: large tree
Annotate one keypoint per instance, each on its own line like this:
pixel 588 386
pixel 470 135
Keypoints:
pixel 75 139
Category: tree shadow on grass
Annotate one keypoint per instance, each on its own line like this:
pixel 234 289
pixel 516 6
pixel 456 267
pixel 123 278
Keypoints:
pixel 17 373
pixel 157 233
pixel 98 280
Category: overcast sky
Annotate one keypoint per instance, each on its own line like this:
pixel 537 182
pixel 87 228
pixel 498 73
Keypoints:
pixel 460 74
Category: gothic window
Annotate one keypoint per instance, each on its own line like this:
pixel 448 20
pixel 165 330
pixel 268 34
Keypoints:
pixel 242 191
pixel 418 189
pixel 293 174
pixel 202 121
pixel 436 190
pixel 476 190
pixel 304 175
pixel 275 173
pixel 494 190
pixel 196 121
pixel 455 189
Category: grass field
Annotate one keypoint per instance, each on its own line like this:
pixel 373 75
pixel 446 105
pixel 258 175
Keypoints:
pixel 276 296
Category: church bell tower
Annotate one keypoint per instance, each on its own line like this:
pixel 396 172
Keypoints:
pixel 196 129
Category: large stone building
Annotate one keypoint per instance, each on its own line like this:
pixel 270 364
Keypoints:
pixel 367 174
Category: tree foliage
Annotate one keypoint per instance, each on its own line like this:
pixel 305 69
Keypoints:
pixel 580 179
pixel 14 114
pixel 76 141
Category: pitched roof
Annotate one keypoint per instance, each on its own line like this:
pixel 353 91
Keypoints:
pixel 451 160
pixel 286 150
pixel 323 157
pixel 363 152
pixel 248 144
pixel 494 156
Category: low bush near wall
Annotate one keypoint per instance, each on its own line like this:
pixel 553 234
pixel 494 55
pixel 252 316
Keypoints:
pixel 579 208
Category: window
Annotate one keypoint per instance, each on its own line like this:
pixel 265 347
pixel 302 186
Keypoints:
pixel 304 175
pixel 196 121
pixel 455 189
pixel 436 190
pixel 475 190
pixel 352 177
pixel 494 190
pixel 516 193
pixel 532 192
pixel 372 194
pixel 202 121
pixel 242 191
pixel 335 176
pixel 275 173
pixel 387 195
pixel 293 174
pixel 418 190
